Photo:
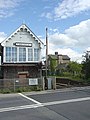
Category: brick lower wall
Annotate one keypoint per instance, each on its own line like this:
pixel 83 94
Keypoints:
pixel 10 72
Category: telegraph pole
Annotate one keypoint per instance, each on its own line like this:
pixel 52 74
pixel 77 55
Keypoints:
pixel 46 50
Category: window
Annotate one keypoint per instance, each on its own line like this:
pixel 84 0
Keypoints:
pixel 19 54
pixel 36 54
pixel 30 54
pixel 14 54
pixel 11 54
pixel 8 54
pixel 22 54
pixel 0 60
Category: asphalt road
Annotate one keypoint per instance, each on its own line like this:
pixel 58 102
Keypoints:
pixel 65 104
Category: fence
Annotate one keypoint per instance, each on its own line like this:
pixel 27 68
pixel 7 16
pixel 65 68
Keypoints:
pixel 20 85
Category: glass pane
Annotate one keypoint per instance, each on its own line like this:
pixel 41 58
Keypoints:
pixel 8 54
pixel 30 54
pixel 14 54
pixel 22 54
pixel 11 54
pixel 0 60
pixel 36 54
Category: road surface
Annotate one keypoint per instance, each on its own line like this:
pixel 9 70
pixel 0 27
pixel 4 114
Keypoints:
pixel 65 104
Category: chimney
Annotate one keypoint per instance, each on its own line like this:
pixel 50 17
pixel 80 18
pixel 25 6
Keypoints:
pixel 56 53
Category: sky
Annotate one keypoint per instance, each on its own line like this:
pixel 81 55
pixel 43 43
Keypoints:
pixel 68 23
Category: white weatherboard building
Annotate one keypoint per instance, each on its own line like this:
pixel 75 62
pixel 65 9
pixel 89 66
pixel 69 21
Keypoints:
pixel 21 54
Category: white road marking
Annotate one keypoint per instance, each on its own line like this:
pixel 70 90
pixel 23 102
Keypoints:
pixel 66 101
pixel 43 104
pixel 19 108
pixel 29 98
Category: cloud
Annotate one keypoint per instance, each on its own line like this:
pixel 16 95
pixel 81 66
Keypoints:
pixel 78 35
pixel 88 49
pixel 62 39
pixel 7 7
pixel 68 8
pixel 7 4
pixel 81 33
pixel 4 14
pixel 2 36
pixel 73 42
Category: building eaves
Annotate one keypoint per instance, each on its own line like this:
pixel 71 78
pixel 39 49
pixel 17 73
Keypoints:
pixel 18 29
pixel 65 57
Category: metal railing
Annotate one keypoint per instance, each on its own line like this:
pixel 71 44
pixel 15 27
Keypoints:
pixel 20 85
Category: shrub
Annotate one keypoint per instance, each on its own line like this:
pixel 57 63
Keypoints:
pixel 6 90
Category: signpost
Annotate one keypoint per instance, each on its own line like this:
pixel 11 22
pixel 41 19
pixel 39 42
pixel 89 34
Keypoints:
pixel 33 81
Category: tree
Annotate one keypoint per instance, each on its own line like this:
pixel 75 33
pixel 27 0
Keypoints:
pixel 53 64
pixel 74 68
pixel 86 65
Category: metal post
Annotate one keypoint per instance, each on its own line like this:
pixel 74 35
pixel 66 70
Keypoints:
pixel 14 85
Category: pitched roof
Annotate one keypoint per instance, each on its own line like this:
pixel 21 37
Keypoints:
pixel 65 57
pixel 53 57
pixel 23 27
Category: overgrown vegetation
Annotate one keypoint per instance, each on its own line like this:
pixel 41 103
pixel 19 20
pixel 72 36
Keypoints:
pixel 53 64
pixel 21 89
pixel 73 70
pixel 86 66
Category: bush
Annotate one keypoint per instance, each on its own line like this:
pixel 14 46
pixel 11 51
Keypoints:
pixel 66 74
pixel 28 89
pixel 88 81
pixel 21 89
pixel 6 90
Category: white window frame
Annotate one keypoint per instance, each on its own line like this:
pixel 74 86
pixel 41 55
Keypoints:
pixel 27 57
pixel 23 54
pixel 36 54
pixel 11 60
pixel 30 54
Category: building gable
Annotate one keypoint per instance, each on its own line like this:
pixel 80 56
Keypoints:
pixel 22 46
pixel 22 35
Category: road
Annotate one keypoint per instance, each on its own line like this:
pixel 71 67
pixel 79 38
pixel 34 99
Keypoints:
pixel 65 104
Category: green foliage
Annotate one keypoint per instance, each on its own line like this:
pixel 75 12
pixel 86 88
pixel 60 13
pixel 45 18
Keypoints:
pixel 73 71
pixel 67 74
pixel 86 66
pixel 21 89
pixel 53 64
pixel 74 68
pixel 88 81
pixel 6 91
pixel 28 89
pixel 86 69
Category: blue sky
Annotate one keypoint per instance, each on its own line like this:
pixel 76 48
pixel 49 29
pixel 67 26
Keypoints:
pixel 68 23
